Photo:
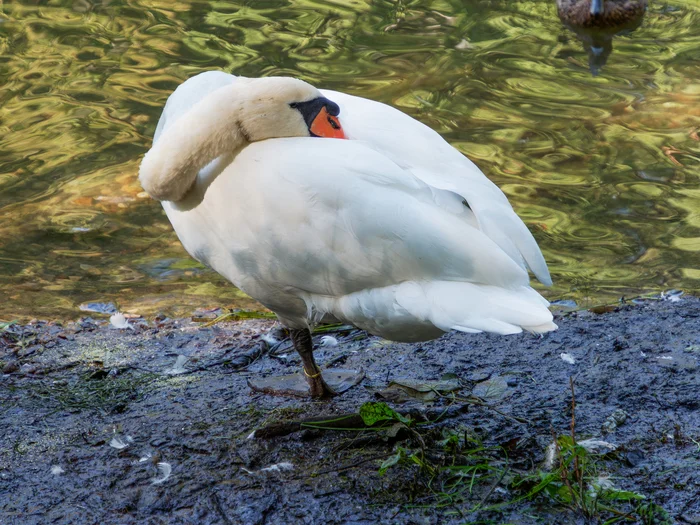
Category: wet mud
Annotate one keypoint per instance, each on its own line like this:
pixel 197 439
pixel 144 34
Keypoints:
pixel 151 424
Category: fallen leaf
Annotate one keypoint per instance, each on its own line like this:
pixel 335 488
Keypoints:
pixel 372 412
pixel 422 390
pixel 492 389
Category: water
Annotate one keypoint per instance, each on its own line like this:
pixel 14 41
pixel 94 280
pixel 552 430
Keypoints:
pixel 604 169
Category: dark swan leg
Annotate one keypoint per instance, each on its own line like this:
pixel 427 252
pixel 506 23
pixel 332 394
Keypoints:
pixel 309 383
pixel 304 346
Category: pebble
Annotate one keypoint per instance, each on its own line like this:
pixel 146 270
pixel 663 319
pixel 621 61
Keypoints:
pixel 614 420
pixel 634 457
pixel 10 367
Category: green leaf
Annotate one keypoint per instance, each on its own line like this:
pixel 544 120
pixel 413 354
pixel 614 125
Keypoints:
pixel 5 326
pixel 547 479
pixel 373 412
pixel 621 495
pixel 653 513
pixel 390 462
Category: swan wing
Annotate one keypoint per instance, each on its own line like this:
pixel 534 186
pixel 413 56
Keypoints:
pixel 337 217
pixel 417 148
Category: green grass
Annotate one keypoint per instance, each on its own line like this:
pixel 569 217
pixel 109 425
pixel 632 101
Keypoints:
pixel 458 472
pixel 4 325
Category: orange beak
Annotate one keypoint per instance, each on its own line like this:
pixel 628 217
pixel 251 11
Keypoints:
pixel 326 125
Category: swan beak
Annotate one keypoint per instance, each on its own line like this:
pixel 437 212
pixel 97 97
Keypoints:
pixel 597 7
pixel 326 125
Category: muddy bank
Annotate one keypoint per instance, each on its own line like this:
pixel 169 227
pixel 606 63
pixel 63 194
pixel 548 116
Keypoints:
pixel 101 425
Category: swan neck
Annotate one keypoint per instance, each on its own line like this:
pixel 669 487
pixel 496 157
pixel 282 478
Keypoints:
pixel 211 128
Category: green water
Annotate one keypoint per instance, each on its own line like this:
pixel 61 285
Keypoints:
pixel 605 170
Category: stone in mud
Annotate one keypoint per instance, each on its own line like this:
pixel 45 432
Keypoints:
pixel 614 420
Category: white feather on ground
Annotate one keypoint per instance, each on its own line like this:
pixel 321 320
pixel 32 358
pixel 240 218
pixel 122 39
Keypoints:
pixel 164 471
pixel 567 358
pixel 120 443
pixel 277 467
pixel 119 321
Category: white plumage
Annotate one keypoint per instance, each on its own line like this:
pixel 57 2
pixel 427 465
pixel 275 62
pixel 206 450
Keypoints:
pixel 392 230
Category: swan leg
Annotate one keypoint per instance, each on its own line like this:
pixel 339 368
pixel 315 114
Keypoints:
pixel 310 383
pixel 304 346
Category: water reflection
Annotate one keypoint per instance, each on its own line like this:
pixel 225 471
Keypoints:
pixel 604 170
pixel 597 22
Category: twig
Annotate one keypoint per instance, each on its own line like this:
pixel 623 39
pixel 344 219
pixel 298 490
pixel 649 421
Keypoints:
pixel 620 302
pixel 578 475
pixel 346 467
pixel 238 362
pixel 238 315
pixel 573 424
pixel 348 421
pixel 478 402
pixel 493 487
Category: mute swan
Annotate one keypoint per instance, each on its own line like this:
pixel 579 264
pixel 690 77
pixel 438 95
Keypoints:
pixel 392 230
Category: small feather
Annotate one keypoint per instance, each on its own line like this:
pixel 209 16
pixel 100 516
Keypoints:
pixel 277 467
pixel 119 443
pixel 164 471
pixel 567 358
pixel 329 340
pixel 179 366
pixel 270 339
pixel 119 321
pixel 597 446
pixel 550 455
pixel 56 470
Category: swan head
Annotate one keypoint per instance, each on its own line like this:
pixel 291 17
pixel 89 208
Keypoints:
pixel 287 107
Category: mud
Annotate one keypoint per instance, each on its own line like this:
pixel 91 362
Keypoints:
pixel 69 390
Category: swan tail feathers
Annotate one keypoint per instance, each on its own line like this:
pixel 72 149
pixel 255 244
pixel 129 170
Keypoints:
pixel 511 234
pixel 469 307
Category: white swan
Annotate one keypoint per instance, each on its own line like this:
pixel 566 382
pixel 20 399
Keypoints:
pixel 392 230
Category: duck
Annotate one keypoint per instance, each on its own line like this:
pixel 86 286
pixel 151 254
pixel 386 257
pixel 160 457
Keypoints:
pixel 596 22
pixel 329 207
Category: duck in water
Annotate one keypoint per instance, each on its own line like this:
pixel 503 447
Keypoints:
pixel 596 22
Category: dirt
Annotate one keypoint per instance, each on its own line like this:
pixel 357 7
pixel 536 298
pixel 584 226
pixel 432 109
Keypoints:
pixel 68 390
